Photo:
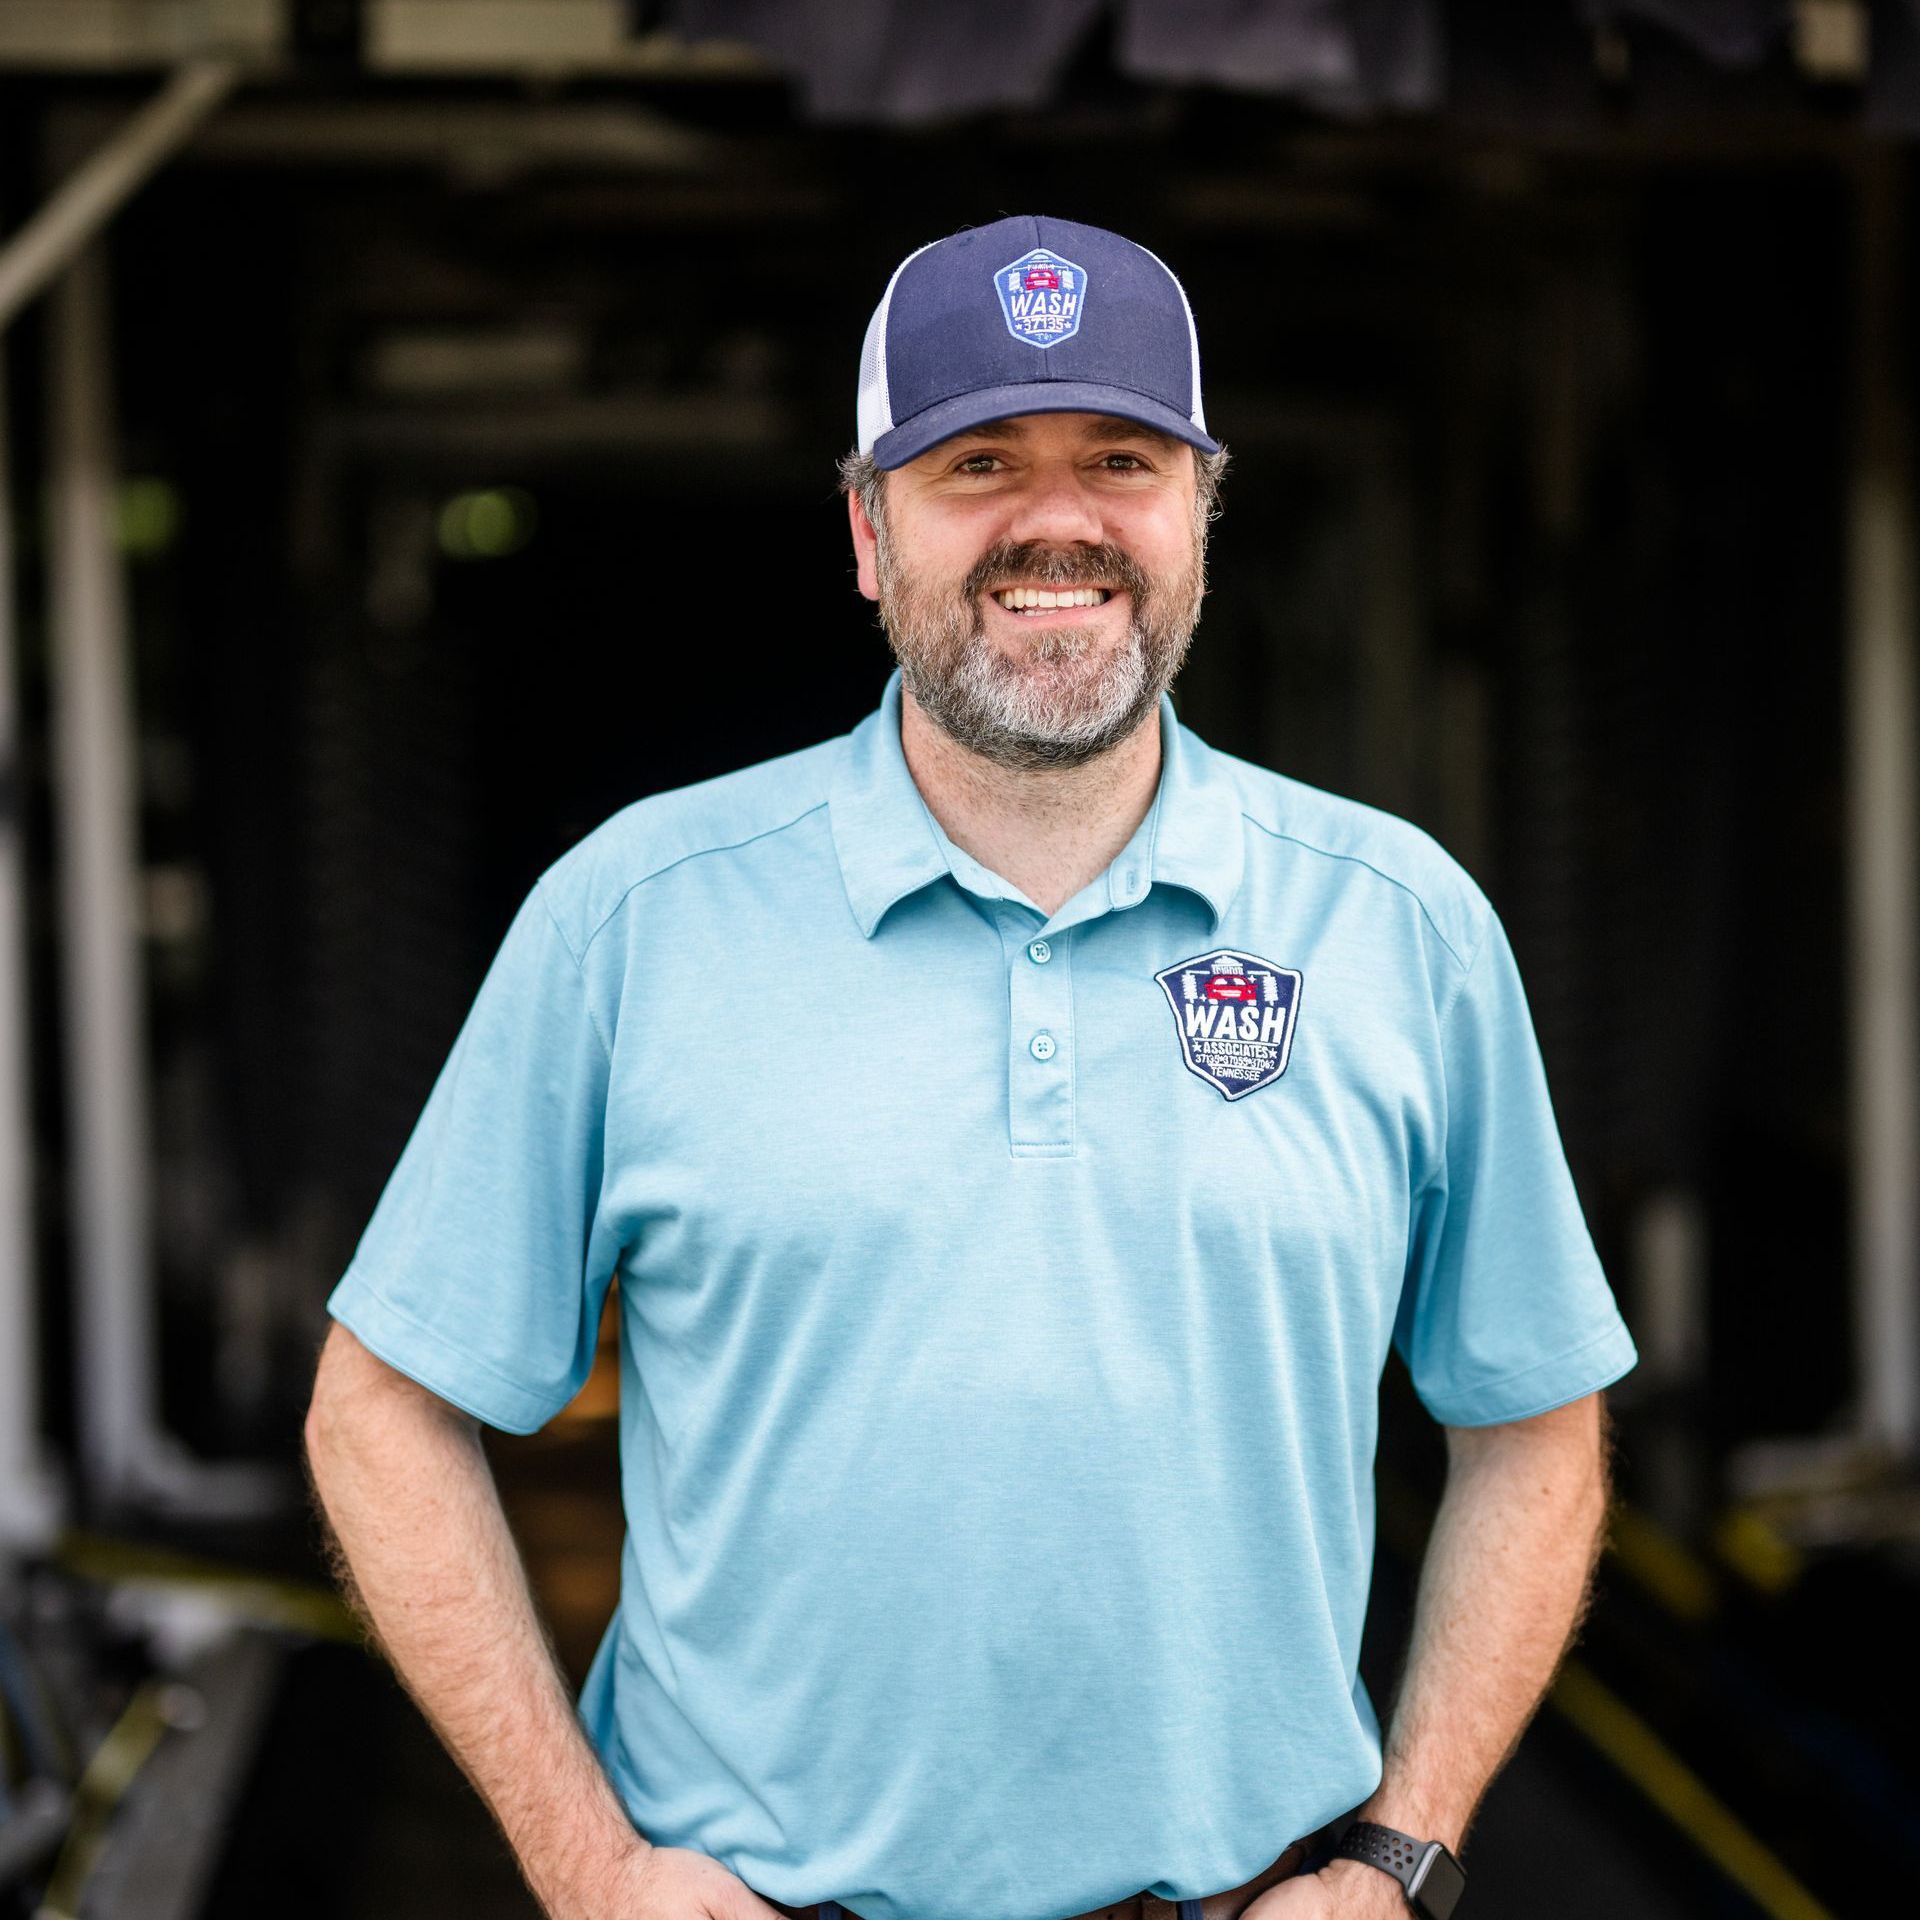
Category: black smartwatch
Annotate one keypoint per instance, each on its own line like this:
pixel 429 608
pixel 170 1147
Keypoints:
pixel 1429 1873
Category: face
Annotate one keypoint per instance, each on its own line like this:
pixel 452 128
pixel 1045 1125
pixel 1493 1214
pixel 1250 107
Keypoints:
pixel 1039 580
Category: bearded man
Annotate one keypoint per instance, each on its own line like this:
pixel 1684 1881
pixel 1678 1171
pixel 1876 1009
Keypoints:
pixel 1008 1264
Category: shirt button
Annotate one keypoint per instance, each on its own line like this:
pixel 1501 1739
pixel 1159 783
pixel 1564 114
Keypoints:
pixel 1043 1046
pixel 1039 952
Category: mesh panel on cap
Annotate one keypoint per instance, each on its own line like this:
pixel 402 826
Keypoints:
pixel 872 413
pixel 1198 418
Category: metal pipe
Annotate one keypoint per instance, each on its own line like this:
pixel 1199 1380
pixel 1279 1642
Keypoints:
pixel 124 1449
pixel 30 1499
pixel 83 203
pixel 1884 842
pixel 93 763
pixel 29 1502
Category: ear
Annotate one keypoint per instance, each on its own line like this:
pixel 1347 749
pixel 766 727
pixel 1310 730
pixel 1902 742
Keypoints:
pixel 865 548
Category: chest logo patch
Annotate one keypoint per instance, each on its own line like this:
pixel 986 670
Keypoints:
pixel 1235 1014
pixel 1043 296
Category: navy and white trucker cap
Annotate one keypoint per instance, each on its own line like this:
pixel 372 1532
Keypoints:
pixel 1028 315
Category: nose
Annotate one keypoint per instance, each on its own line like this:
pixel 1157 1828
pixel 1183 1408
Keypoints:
pixel 1056 508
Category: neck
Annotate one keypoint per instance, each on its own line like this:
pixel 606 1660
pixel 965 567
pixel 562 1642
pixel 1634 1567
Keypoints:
pixel 1049 831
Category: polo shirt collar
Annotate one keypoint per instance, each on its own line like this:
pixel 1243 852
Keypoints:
pixel 889 844
pixel 1200 841
pixel 882 830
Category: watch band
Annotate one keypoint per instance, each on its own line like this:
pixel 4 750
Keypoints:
pixel 1430 1876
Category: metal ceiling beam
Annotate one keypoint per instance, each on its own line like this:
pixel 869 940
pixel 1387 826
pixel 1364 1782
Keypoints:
pixel 526 39
pixel 548 38
pixel 109 36
pixel 471 137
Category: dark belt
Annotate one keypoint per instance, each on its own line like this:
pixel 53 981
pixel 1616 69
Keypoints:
pixel 1149 1906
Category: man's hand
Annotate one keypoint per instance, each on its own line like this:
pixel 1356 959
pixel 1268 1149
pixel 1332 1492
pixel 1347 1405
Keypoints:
pixel 1341 1890
pixel 678 1883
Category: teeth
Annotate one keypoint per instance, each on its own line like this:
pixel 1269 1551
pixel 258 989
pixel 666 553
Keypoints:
pixel 1019 599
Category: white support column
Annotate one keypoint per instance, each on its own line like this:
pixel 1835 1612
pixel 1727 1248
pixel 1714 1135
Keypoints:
pixel 94 748
pixel 1884 840
pixel 30 1499
pixel 125 1451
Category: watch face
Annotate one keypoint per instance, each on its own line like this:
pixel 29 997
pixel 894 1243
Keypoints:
pixel 1437 1885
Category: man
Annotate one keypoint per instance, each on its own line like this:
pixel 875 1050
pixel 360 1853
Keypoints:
pixel 1019 1133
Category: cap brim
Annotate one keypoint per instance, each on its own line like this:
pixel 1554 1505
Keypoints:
pixel 941 421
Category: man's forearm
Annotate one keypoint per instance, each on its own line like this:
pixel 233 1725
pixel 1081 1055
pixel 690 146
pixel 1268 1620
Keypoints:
pixel 1503 1587
pixel 430 1565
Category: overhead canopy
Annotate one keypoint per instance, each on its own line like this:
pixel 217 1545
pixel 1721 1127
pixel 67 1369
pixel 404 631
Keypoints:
pixel 1577 65
pixel 1550 62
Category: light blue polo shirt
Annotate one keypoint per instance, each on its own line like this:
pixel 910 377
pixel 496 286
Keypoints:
pixel 1005 1300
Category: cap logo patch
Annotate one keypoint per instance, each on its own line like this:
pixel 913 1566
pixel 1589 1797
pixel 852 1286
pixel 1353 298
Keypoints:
pixel 1043 297
pixel 1235 1014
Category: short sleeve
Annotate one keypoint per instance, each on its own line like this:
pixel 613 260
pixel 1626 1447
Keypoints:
pixel 484 1268
pixel 1505 1311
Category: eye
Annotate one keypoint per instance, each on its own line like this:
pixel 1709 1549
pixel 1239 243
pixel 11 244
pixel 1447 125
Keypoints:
pixel 1131 462
pixel 977 463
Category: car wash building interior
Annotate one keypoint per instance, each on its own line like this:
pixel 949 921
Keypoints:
pixel 415 445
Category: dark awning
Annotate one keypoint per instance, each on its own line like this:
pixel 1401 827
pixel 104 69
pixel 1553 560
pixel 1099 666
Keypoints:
pixel 1537 63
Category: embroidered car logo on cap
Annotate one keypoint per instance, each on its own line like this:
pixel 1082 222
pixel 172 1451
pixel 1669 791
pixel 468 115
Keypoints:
pixel 1235 1014
pixel 1043 297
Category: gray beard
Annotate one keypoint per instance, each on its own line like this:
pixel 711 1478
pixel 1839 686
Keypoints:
pixel 1065 705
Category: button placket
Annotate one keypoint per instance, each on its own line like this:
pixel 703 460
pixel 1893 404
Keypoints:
pixel 1040 1045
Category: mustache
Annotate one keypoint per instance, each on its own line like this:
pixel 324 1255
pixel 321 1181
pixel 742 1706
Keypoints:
pixel 1104 565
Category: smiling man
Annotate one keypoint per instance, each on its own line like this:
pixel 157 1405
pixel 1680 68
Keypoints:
pixel 1006 1286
